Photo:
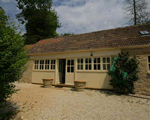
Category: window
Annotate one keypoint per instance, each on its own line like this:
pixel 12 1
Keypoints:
pixel 36 63
pixel 52 64
pixel 80 64
pixel 47 62
pixel 149 63
pixel 106 63
pixel 88 63
pixel 144 32
pixel 97 65
pixel 70 66
pixel 41 64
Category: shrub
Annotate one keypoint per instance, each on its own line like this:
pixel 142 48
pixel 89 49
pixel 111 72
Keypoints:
pixel 12 56
pixel 123 65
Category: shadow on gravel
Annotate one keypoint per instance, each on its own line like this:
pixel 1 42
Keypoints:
pixel 110 92
pixel 8 111
pixel 72 89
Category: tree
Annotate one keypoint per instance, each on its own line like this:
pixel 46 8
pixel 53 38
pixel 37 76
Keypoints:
pixel 66 34
pixel 137 12
pixel 12 56
pixel 124 74
pixel 41 21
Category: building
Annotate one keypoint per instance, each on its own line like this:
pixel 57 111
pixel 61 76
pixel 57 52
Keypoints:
pixel 89 56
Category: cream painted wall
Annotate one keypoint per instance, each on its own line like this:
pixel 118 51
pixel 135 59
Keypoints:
pixel 77 55
pixel 37 76
pixel 95 79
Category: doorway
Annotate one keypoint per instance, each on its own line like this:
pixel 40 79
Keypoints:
pixel 62 70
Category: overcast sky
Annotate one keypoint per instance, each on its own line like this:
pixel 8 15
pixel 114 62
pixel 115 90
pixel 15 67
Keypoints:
pixel 81 16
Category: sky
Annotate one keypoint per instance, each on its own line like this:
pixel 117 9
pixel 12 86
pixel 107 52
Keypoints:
pixel 81 16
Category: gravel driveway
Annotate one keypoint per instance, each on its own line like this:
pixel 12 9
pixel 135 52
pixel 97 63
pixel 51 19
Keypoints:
pixel 37 103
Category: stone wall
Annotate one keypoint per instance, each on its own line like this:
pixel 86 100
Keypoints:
pixel 27 74
pixel 142 86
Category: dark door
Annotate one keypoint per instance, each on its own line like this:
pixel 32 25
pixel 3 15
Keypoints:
pixel 62 70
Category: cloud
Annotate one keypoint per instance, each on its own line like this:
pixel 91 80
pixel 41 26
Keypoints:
pixel 81 16
pixel 94 15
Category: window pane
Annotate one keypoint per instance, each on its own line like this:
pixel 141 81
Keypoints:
pixel 149 59
pixel 94 66
pixel 36 61
pixel 108 66
pixel 99 60
pixel 68 69
pixel 89 60
pixel 54 67
pixel 86 67
pixel 72 62
pixel 90 67
pixel 104 60
pixel 78 60
pixel 46 66
pixel 46 61
pixel 68 63
pixel 104 66
pixel 149 66
pixel 81 60
pixel 41 61
pixel 52 61
pixel 72 69
pixel 78 67
pixel 108 60
pixel 34 66
pixel 94 60
pixel 41 66
pixel 81 67
pixel 99 67
pixel 86 60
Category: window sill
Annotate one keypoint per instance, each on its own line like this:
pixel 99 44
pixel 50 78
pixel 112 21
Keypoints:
pixel 100 71
pixel 43 70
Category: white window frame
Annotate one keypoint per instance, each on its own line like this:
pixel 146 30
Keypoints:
pixel 106 63
pixel 88 64
pixel 92 63
pixel 70 66
pixel 37 65
pixel 53 64
pixel 80 64
pixel 42 65
pixel 97 63
pixel 47 64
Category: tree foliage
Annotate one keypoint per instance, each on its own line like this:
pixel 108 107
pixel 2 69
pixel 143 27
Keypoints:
pixel 66 34
pixel 41 21
pixel 12 56
pixel 124 64
pixel 137 11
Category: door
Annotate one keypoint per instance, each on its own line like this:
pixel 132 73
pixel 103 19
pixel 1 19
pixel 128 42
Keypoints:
pixel 62 64
pixel 69 72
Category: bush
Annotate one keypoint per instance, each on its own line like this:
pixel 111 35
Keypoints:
pixel 124 65
pixel 12 56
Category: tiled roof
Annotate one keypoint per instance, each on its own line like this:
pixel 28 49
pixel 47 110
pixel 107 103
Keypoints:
pixel 29 46
pixel 118 37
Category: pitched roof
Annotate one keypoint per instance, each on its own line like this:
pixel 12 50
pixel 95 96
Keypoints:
pixel 118 37
pixel 29 46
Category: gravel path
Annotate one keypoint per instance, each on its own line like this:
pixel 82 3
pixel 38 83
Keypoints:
pixel 39 103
